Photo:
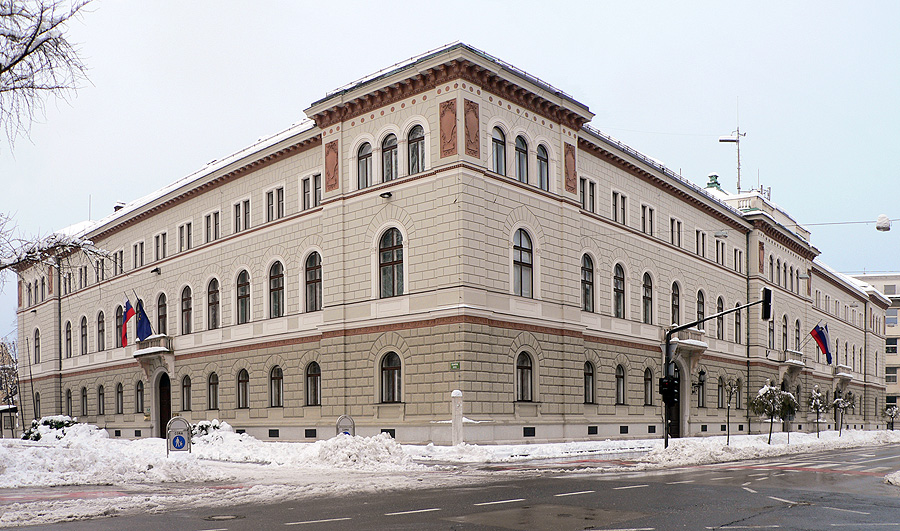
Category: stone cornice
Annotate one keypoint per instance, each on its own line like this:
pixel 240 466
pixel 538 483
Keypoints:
pixel 429 79
pixel 659 182
pixel 248 167
pixel 805 252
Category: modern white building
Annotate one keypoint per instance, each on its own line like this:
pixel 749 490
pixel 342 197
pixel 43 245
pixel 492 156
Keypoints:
pixel 887 284
pixel 450 223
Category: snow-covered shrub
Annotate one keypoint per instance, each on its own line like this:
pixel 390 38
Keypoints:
pixel 54 425
pixel 205 427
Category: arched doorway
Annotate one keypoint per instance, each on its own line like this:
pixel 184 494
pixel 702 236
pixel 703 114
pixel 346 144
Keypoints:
pixel 164 392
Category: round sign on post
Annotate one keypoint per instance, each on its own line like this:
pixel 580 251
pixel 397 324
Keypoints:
pixel 346 426
pixel 178 435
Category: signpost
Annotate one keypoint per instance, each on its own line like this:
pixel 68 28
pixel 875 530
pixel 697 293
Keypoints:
pixel 178 435
pixel 345 425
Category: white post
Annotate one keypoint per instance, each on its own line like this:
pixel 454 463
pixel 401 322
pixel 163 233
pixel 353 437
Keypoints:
pixel 456 405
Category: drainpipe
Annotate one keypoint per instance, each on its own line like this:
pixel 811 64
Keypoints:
pixel 59 334
pixel 747 333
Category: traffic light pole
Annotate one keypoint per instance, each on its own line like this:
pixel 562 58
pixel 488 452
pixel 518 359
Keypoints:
pixel 765 315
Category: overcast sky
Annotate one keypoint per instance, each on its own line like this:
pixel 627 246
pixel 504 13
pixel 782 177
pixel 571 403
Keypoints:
pixel 174 84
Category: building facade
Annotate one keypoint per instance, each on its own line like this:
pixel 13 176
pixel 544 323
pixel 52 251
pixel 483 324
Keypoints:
pixel 452 223
pixel 887 284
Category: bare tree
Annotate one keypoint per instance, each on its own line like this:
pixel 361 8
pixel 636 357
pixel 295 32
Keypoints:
pixel 36 59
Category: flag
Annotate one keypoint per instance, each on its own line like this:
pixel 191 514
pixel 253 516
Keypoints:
pixel 820 335
pixel 126 315
pixel 144 330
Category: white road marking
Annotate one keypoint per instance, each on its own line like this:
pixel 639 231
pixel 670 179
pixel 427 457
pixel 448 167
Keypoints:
pixel 746 483
pixel 748 489
pixel 845 510
pixel 721 478
pixel 630 487
pixel 413 512
pixel 680 482
pixel 782 500
pixel 747 527
pixel 574 493
pixel 318 521
pixel 757 475
pixel 498 502
pixel 761 479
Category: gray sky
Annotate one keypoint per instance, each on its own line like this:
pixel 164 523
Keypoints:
pixel 176 84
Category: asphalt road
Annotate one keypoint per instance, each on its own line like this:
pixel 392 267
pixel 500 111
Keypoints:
pixel 840 489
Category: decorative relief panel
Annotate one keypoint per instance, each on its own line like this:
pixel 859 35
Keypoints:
pixel 332 167
pixel 762 257
pixel 473 144
pixel 448 128
pixel 571 176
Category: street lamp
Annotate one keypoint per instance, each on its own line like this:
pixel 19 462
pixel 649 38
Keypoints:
pixel 735 138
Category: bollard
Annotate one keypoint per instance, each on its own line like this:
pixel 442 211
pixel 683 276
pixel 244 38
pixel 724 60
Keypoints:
pixel 456 405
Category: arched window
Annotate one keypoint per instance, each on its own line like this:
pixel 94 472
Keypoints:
pixel 243 297
pixel 43 289
pixel 390 263
pixel 212 391
pixel 720 393
pixel 778 271
pixel 276 290
pixel 186 310
pixel 243 389
pixel 389 158
pixel 797 337
pixel 720 320
pixel 522 264
pixel 119 325
pixel 543 162
pixel 313 384
pixel 619 291
pixel 588 383
pixel 784 332
pixel 498 141
pixel 162 317
pixel 771 268
pixel 701 392
pixel 701 309
pixel 390 378
pixel 587 284
pixel 416 149
pixel 84 402
pixel 620 384
pixel 784 272
pixel 521 159
pixel 68 339
pixel 37 405
pixel 648 299
pixel 29 294
pixel 738 338
pixel 648 387
pixel 313 282
pixel 364 166
pixel 792 279
pixel 120 399
pixel 676 304
pixel 524 376
pixel 101 401
pixel 37 346
pixel 276 387
pixel 101 332
pixel 69 411
pixel 139 397
pixel 212 305
pixel 186 393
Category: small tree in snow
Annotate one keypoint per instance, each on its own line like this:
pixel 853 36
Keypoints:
pixel 891 412
pixel 787 409
pixel 767 403
pixel 818 404
pixel 840 405
pixel 731 391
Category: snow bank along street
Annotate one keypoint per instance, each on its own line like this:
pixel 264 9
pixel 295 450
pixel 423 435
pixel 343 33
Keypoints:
pixel 226 468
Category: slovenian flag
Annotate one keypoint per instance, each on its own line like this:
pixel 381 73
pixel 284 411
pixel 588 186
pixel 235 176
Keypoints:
pixel 128 314
pixel 820 335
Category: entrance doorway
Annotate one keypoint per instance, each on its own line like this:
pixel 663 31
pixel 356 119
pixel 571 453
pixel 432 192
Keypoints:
pixel 164 391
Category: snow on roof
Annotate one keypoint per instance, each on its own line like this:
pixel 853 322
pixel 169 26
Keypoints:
pixel 200 174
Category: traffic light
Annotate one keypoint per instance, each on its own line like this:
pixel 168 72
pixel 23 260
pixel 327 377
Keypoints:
pixel 668 388
pixel 765 311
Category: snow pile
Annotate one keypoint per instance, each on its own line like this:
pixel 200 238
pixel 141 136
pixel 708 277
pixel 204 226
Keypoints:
pixel 507 453
pixel 379 452
pixel 705 450
pixel 893 479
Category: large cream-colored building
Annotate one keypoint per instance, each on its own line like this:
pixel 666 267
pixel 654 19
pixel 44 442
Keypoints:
pixel 451 223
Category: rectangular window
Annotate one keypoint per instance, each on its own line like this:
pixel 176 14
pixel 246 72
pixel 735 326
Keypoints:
pixel 701 243
pixel 618 207
pixel 890 345
pixel 738 260
pixel 270 205
pixel 891 317
pixel 307 193
pixel 237 217
pixel 246 214
pixel 582 192
pixel 317 190
pixel 138 255
pixel 275 204
pixel 185 237
pixel 890 289
pixel 720 251
pixel 647 219
pixel 890 375
pixel 279 202
pixel 159 245
pixel 212 227
pixel 675 232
